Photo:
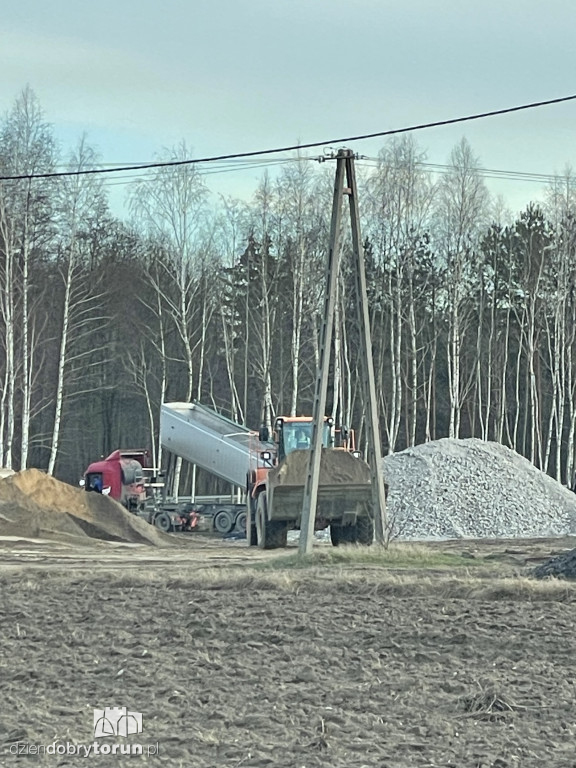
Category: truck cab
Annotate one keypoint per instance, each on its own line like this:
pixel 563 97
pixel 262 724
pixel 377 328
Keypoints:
pixel 120 476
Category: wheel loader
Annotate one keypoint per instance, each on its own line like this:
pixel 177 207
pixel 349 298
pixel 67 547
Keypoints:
pixel 275 491
pixel 272 470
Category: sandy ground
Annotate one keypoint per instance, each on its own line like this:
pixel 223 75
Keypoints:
pixel 235 664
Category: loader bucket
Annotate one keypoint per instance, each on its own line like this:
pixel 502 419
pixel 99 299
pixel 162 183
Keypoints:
pixel 344 486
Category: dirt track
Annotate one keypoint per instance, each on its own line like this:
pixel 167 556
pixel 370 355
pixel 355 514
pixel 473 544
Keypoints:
pixel 235 666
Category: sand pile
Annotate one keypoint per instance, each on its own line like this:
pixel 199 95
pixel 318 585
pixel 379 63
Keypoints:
pixel 472 488
pixel 35 505
pixel 337 467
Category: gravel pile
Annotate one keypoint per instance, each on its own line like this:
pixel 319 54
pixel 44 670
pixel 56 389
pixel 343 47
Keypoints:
pixel 473 489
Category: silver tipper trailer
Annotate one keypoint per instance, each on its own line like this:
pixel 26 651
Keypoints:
pixel 216 444
pixel 209 440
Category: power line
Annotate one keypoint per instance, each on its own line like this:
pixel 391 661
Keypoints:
pixel 293 148
pixel 490 173
pixel 214 170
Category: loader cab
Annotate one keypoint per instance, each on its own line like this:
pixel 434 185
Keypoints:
pixel 296 435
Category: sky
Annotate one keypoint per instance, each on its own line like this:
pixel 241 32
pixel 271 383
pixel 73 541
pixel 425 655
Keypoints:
pixel 225 76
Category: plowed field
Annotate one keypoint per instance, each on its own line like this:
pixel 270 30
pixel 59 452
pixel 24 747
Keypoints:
pixel 236 661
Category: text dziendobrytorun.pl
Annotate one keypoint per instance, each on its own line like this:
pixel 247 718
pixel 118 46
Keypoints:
pixel 82 750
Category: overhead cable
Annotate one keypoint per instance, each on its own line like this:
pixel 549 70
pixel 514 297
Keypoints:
pixel 293 148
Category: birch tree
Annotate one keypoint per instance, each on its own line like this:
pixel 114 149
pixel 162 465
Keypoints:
pixel 399 198
pixel 169 206
pixel 26 147
pixel 560 209
pixel 231 233
pixel 302 242
pixel 81 203
pixel 463 201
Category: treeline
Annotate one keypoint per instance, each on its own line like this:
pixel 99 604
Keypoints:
pixel 473 311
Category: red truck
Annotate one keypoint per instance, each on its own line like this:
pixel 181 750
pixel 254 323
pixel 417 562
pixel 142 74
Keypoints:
pixel 128 477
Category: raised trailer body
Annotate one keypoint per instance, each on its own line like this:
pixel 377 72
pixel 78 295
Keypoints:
pixel 211 441
pixel 218 445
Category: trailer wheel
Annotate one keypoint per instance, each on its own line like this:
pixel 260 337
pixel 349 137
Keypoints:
pixel 163 521
pixel 240 522
pixel 223 521
pixel 272 534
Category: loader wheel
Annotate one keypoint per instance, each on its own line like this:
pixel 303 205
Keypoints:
pixel 223 521
pixel 271 534
pixel 251 533
pixel 163 521
pixel 343 534
pixel 350 534
pixel 365 531
pixel 335 534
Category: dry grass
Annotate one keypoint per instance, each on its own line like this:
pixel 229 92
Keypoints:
pixel 398 555
pixel 347 572
pixel 488 704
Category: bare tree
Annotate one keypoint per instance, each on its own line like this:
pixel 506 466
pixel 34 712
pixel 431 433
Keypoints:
pixel 463 202
pixel 561 211
pixel 81 203
pixel 26 147
pixel 301 238
pixel 399 197
pixel 232 231
pixel 170 206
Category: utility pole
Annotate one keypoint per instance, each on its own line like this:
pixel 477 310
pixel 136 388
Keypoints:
pixel 367 363
pixel 344 170
pixel 319 406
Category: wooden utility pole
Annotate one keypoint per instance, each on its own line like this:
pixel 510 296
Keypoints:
pixel 344 170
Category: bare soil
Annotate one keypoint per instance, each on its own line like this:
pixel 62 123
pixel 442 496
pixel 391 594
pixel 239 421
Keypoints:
pixel 236 661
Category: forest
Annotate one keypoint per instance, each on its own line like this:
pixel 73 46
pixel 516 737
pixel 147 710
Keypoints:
pixel 193 297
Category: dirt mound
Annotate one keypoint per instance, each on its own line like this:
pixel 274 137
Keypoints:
pixel 336 467
pixel 563 567
pixel 473 488
pixel 34 504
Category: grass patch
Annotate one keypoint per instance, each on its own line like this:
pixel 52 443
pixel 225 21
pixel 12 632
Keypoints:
pixel 376 573
pixel 401 555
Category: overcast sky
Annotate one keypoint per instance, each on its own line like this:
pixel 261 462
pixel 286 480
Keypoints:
pixel 241 75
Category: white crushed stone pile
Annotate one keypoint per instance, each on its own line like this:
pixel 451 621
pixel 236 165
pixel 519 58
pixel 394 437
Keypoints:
pixel 473 489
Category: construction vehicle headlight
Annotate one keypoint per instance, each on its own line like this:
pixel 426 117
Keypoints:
pixel 265 455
